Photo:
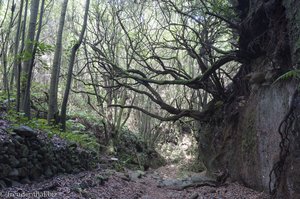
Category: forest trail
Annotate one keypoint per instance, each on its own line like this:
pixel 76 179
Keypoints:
pixel 110 184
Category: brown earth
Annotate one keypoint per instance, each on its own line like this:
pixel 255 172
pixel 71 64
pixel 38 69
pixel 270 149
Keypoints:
pixel 110 184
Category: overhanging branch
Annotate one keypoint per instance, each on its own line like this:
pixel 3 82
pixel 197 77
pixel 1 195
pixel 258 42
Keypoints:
pixel 184 113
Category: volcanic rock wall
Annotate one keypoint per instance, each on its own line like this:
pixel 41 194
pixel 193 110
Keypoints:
pixel 27 155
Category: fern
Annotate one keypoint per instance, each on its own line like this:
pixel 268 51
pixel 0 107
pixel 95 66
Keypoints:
pixel 292 74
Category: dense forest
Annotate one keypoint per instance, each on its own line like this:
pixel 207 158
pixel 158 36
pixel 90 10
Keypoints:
pixel 150 99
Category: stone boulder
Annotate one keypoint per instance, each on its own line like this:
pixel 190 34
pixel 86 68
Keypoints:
pixel 25 131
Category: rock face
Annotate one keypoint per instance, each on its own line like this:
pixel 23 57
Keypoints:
pixel 244 137
pixel 256 145
pixel 27 155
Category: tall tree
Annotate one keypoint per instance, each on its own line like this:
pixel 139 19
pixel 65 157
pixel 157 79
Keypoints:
pixel 30 69
pixel 28 52
pixel 70 67
pixel 5 48
pixel 19 67
pixel 53 107
pixel 16 49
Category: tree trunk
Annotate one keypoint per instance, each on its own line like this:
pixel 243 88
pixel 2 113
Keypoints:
pixel 4 52
pixel 19 67
pixel 70 68
pixel 30 69
pixel 53 107
pixel 28 51
pixel 16 62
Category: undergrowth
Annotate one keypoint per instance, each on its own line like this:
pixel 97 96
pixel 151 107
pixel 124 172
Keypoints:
pixel 77 134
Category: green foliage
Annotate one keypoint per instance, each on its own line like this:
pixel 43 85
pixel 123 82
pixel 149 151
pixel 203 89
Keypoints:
pixel 71 124
pixel 39 96
pixel 3 96
pixel 75 130
pixel 25 56
pixel 292 74
pixel 85 140
pixel 43 48
pixel 18 119
pixel 87 116
pixel 122 164
pixel 222 7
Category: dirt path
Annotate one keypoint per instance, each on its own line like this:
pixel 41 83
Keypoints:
pixel 110 184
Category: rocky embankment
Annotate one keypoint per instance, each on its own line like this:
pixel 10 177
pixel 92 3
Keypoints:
pixel 27 155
